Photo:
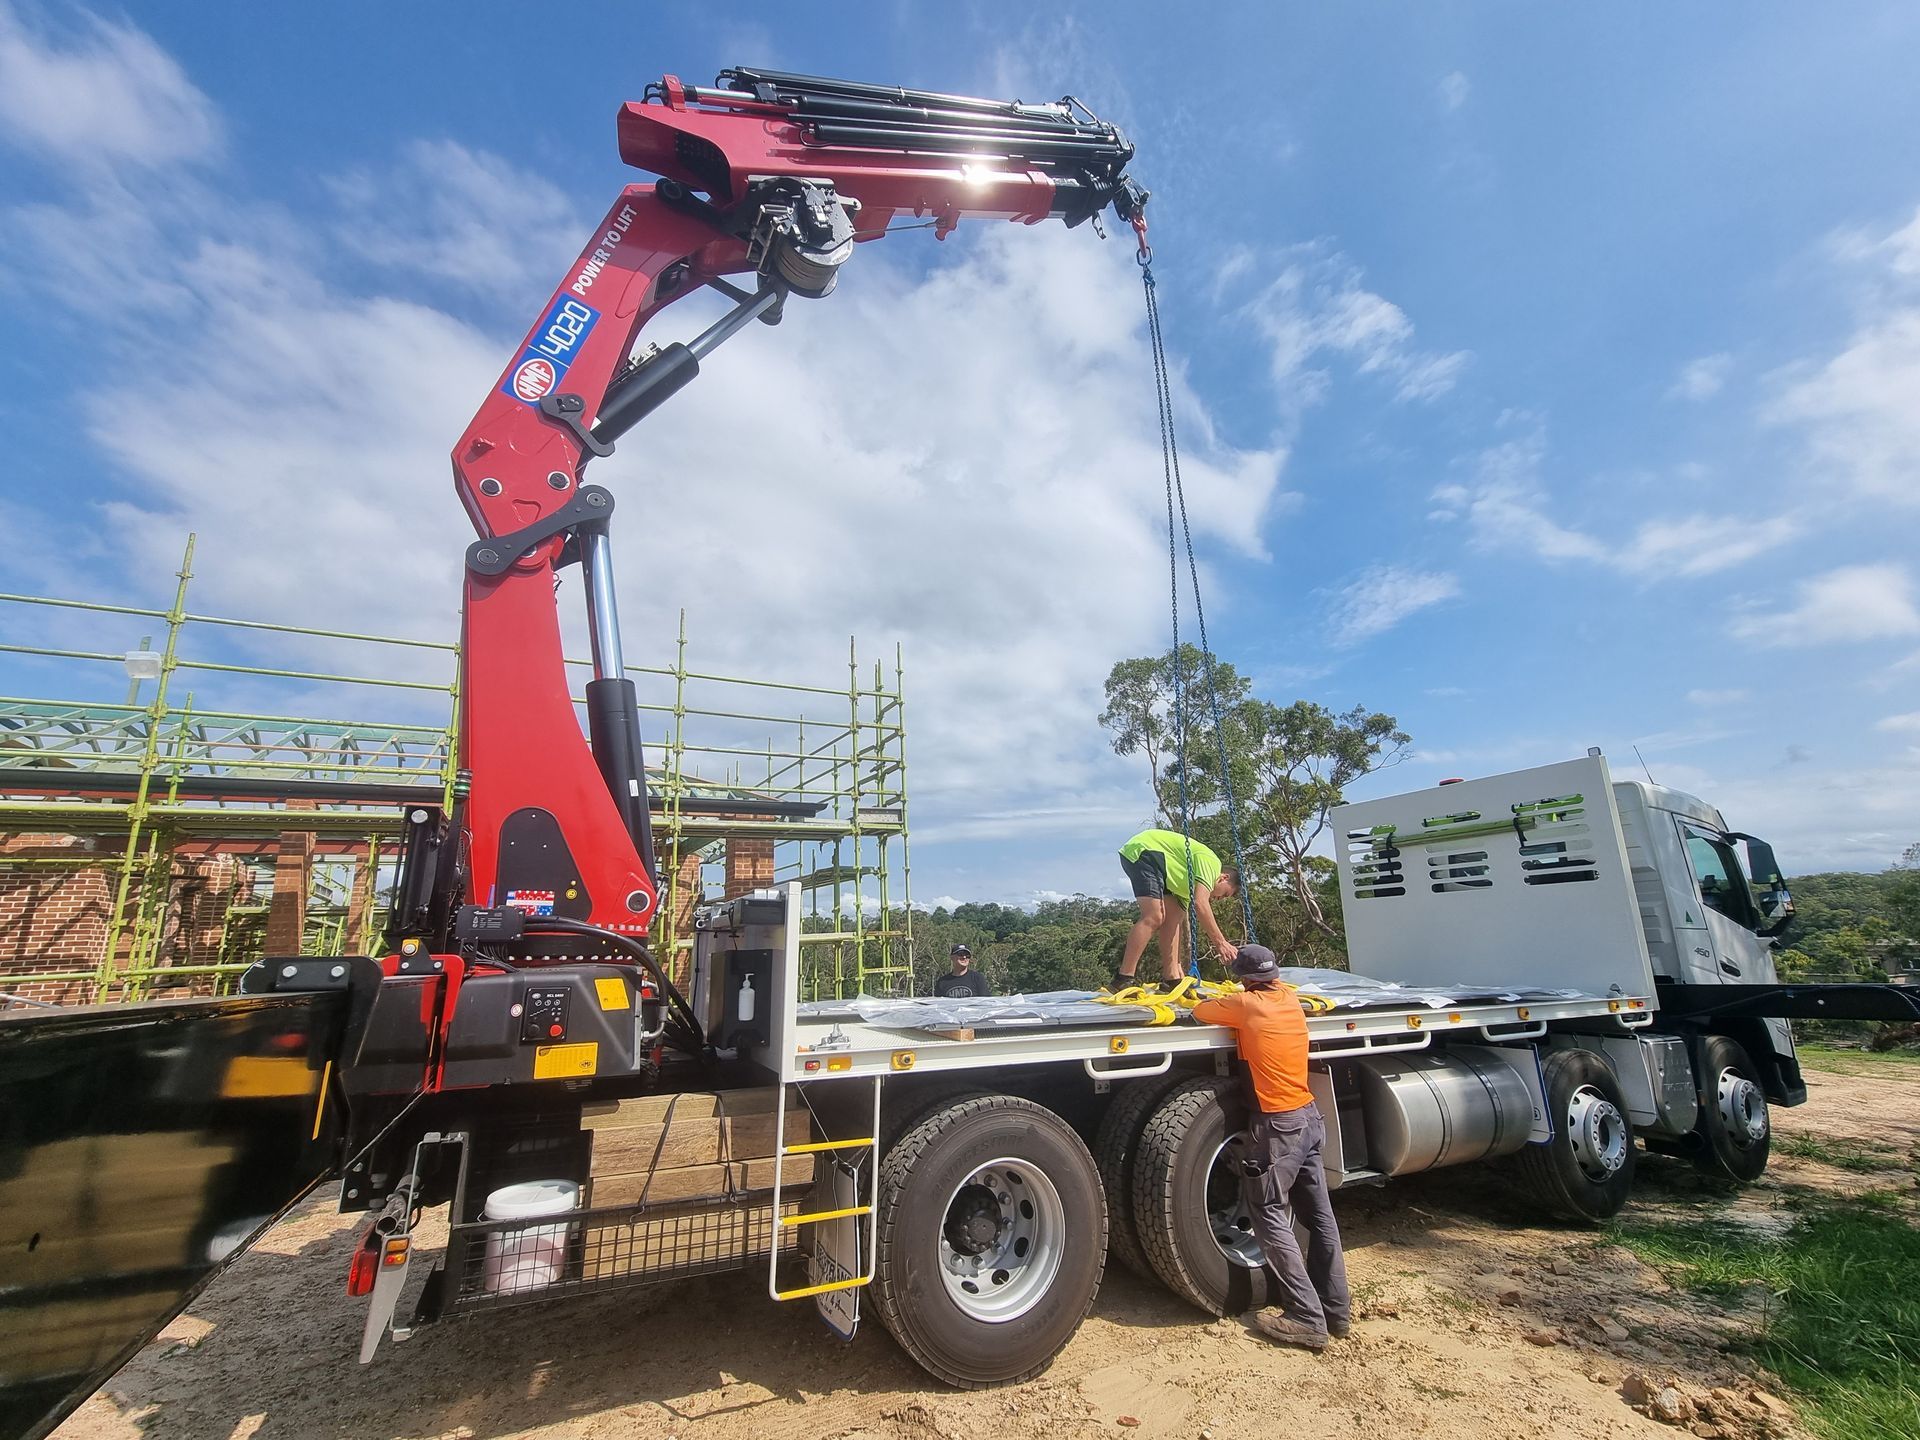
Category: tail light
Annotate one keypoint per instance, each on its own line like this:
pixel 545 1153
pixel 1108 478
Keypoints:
pixel 365 1265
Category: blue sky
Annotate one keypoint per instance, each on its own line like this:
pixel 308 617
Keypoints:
pixel 1550 377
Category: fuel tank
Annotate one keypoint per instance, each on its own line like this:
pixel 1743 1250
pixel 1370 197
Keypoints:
pixel 1430 1108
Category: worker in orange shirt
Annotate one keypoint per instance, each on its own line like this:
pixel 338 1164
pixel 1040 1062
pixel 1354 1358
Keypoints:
pixel 1281 1166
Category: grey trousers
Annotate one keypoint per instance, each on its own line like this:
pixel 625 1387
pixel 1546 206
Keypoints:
pixel 1292 1182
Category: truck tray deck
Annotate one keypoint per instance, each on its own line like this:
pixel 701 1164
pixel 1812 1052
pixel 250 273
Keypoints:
pixel 838 1044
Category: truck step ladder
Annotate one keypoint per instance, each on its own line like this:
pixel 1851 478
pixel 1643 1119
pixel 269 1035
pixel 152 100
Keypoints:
pixel 843 1250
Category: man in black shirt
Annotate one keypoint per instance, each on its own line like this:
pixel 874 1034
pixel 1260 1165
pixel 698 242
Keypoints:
pixel 963 982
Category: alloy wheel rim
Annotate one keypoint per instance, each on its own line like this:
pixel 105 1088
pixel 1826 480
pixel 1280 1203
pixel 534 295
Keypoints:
pixel 1002 1237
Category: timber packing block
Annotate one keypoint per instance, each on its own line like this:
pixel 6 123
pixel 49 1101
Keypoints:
pixel 699 1182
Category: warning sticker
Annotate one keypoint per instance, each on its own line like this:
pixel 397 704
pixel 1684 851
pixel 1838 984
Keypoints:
pixel 533 902
pixel 566 1062
pixel 613 993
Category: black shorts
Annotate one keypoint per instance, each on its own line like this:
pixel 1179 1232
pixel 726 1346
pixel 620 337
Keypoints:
pixel 1148 874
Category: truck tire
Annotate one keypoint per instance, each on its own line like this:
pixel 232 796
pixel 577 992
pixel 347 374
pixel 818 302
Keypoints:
pixel 992 1240
pixel 1735 1129
pixel 1187 1208
pixel 1115 1147
pixel 1585 1171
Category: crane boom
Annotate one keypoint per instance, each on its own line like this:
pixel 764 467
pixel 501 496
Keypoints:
pixel 765 174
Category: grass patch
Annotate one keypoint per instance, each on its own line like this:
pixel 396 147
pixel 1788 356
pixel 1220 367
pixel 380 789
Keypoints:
pixel 1858 1062
pixel 1842 1326
pixel 1860 1156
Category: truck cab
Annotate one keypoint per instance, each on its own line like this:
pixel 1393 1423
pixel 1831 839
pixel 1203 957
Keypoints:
pixel 1711 900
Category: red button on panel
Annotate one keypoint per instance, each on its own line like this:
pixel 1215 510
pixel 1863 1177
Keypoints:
pixel 555 1031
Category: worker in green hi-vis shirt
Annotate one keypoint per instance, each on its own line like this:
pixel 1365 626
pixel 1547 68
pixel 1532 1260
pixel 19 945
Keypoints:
pixel 1156 865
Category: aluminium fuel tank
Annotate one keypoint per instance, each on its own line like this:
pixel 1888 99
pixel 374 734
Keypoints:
pixel 1430 1108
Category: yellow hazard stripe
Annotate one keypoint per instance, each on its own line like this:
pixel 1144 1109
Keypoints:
pixel 817 1216
pixel 804 1291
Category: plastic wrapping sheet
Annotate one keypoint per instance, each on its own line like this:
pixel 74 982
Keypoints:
pixel 986 1012
pixel 1345 991
pixel 1338 989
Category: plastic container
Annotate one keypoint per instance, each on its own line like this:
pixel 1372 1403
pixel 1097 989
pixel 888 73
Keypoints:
pixel 533 1257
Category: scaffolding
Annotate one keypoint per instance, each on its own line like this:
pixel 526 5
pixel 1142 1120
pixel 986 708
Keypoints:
pixel 204 827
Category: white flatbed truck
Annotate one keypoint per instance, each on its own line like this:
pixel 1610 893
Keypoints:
pixel 1583 966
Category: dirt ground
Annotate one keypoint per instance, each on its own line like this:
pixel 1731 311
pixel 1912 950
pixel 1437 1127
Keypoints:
pixel 1476 1320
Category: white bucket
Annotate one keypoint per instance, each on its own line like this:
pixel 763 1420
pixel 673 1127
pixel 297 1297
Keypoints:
pixel 533 1257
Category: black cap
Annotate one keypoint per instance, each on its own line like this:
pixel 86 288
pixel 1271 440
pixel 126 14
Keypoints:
pixel 1255 963
pixel 959 949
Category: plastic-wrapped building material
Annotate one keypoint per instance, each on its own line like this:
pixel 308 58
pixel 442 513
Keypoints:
pixel 1344 991
pixel 987 1012
pixel 1334 989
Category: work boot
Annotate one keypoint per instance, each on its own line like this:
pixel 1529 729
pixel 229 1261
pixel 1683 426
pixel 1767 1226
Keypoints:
pixel 1283 1329
pixel 1339 1329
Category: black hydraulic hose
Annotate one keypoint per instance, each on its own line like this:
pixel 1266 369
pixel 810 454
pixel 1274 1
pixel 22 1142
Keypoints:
pixel 682 1010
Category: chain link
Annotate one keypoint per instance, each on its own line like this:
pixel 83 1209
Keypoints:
pixel 1177 499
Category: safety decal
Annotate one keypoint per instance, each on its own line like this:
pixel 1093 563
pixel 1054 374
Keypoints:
pixel 553 346
pixel 566 1062
pixel 534 902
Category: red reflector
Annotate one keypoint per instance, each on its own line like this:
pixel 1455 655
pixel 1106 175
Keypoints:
pixel 366 1263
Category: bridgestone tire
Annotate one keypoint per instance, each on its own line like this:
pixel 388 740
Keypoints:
pixel 1170 1170
pixel 922 1173
pixel 1561 1174
pixel 1729 1149
pixel 1115 1146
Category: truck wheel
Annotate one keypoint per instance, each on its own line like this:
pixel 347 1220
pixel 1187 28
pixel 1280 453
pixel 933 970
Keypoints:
pixel 1734 1125
pixel 993 1237
pixel 1116 1145
pixel 1586 1170
pixel 1187 1206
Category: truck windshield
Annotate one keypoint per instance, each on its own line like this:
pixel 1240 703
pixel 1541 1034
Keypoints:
pixel 1716 870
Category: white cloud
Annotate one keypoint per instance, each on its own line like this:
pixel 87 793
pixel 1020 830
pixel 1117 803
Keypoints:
pixel 1713 698
pixel 1506 504
pixel 1857 818
pixel 1703 378
pixel 1381 597
pixel 1859 411
pixel 100 94
pixel 1904 724
pixel 1856 408
pixel 468 219
pixel 1454 89
pixel 1315 309
pixel 1703 544
pixel 1853 603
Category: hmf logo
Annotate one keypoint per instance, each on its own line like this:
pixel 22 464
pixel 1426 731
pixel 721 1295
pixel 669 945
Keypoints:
pixel 550 350
pixel 533 379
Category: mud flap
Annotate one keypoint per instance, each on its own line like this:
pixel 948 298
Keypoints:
pixel 837 1257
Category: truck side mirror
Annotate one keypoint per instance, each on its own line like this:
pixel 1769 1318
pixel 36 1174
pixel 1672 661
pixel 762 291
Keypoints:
pixel 1770 886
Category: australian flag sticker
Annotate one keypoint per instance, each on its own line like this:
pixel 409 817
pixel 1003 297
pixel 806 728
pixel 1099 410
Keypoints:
pixel 550 350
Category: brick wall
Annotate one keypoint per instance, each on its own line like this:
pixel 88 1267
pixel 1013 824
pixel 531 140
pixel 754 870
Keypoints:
pixel 53 917
pixel 749 866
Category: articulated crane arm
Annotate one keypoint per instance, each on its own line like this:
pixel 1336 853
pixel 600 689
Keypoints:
pixel 767 175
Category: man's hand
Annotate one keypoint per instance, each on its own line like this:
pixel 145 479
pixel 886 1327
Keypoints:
pixel 1226 953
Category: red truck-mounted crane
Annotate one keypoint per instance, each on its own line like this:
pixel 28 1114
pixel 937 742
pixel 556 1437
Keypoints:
pixel 770 176
pixel 516 952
